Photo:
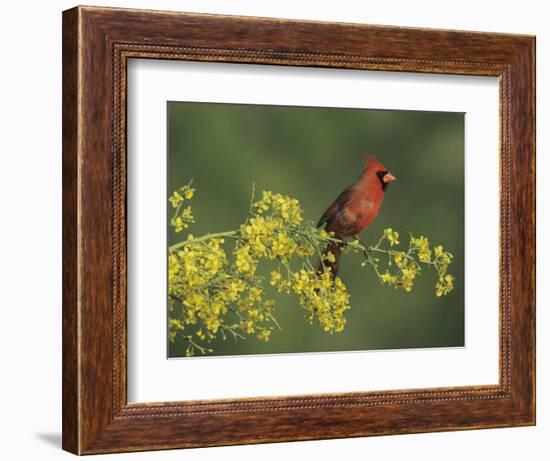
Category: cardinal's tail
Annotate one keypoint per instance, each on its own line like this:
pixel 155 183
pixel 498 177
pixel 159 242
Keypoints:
pixel 331 258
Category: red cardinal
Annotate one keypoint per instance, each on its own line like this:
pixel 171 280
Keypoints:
pixel 354 209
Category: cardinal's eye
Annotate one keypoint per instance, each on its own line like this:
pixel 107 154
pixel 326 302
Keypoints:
pixel 381 174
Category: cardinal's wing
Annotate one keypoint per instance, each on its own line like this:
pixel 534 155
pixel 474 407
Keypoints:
pixel 339 204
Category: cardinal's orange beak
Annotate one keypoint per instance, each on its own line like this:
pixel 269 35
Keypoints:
pixel 388 177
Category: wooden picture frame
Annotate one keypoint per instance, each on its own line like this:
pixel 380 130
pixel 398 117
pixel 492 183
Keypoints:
pixel 97 43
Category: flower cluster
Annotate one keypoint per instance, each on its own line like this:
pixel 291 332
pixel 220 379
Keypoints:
pixel 273 230
pixel 183 216
pixel 409 263
pixel 442 259
pixel 216 291
pixel 208 296
pixel 408 269
pixel 422 247
pixel 281 206
pixel 324 298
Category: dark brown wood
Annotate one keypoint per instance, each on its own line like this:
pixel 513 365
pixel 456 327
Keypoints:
pixel 70 383
pixel 97 42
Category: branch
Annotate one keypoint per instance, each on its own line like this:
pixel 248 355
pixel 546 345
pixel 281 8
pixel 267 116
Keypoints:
pixel 231 234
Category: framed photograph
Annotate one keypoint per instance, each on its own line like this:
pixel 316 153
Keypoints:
pixel 281 230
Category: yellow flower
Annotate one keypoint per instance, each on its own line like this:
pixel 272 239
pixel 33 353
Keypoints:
pixel 182 220
pixel 183 193
pixel 391 236
pixel 187 215
pixel 235 288
pixel 422 246
pixel 400 258
pixel 213 323
pixel 323 297
pixel 244 261
pixel 445 285
pixel 254 294
pixel 263 335
pixel 173 268
pixel 175 199
pixel 178 224
pixel 248 326
pixel 386 277
pixel 275 278
pixel 281 206
pixel 175 324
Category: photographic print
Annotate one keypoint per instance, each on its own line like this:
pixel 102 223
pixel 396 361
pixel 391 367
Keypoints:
pixel 311 229
pixel 293 216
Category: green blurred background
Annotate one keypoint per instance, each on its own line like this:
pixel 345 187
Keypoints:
pixel 313 154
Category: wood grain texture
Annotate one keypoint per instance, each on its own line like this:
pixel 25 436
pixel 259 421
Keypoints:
pixel 70 383
pixel 97 43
